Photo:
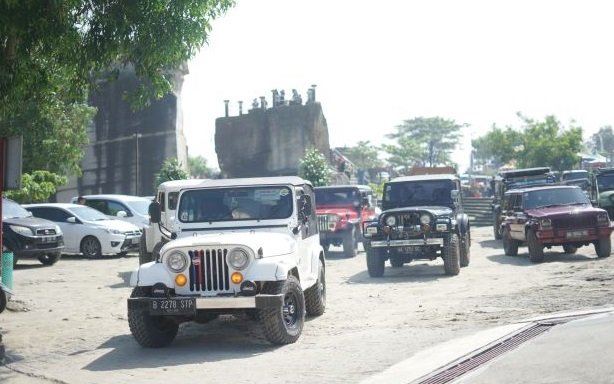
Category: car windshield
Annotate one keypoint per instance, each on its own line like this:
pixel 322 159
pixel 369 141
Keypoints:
pixel 338 196
pixel 141 206
pixel 528 181
pixel 11 209
pixel 605 182
pixel 553 197
pixel 413 193
pixel 235 204
pixel 88 214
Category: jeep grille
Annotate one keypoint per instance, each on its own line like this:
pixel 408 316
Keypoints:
pixel 578 221
pixel 407 219
pixel 209 270
pixel 323 223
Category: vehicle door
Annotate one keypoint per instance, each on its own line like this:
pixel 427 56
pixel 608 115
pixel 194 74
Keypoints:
pixel 309 237
pixel 69 230
pixel 516 217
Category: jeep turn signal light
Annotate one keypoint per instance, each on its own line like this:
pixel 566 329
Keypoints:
pixel 181 280
pixel 236 277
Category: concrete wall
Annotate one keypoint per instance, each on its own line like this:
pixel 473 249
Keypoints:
pixel 269 142
pixel 127 148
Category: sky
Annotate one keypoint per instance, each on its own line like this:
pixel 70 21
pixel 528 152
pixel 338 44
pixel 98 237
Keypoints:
pixel 378 63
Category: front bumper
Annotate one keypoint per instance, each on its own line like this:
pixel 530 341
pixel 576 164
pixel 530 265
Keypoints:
pixel 572 236
pixel 189 305
pixel 405 243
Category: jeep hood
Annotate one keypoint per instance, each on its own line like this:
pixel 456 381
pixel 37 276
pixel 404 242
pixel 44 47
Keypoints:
pixel 435 210
pixel 272 244
pixel 562 210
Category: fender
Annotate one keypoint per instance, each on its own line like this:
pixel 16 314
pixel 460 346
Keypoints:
pixel 462 221
pixel 150 273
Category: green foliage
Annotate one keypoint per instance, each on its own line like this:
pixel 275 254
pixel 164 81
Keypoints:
pixel 36 187
pixel 538 144
pixel 378 190
pixel 171 170
pixel 314 167
pixel 434 138
pixel 363 155
pixel 404 154
pixel 602 142
pixel 197 167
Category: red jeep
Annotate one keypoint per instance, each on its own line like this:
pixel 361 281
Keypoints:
pixel 341 209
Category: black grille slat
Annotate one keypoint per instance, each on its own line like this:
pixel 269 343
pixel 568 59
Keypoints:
pixel 45 232
pixel 577 222
pixel 213 273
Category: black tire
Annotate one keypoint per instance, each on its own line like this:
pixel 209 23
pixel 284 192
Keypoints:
pixel 49 259
pixel 350 246
pixel 315 297
pixel 144 256
pixel 510 246
pixel 283 325
pixel 496 226
pixel 3 302
pixel 90 247
pixel 375 262
pixel 465 249
pixel 150 331
pixel 569 249
pixel 396 261
pixel 451 255
pixel 603 247
pixel 536 249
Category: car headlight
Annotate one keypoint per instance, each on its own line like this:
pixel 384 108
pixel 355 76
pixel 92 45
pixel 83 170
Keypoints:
pixel 603 219
pixel 58 230
pixel 545 223
pixel 238 258
pixel 425 219
pixel 23 231
pixel 112 231
pixel 391 221
pixel 177 261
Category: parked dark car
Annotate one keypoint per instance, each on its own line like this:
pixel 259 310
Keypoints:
pixel 543 217
pixel 30 237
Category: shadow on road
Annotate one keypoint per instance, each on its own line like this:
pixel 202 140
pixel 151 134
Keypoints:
pixel 413 272
pixel 227 338
pixel 491 244
pixel 125 276
pixel 549 257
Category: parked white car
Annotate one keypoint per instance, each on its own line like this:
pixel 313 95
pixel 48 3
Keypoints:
pixel 133 209
pixel 88 231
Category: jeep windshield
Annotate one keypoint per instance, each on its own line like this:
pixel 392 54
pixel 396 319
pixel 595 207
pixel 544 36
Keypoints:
pixel 235 204
pixel 554 197
pixel 347 197
pixel 529 181
pixel 415 193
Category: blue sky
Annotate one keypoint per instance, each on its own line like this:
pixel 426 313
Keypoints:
pixel 379 63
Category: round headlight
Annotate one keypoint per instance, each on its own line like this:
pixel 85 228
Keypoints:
pixel 177 261
pixel 238 258
pixel 425 219
pixel 391 221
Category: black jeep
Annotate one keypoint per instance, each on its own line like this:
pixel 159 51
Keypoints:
pixel 422 219
pixel 513 179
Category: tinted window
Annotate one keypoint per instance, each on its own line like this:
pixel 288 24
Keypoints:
pixel 428 192
pixel 338 196
pixel 554 197
pixel 53 214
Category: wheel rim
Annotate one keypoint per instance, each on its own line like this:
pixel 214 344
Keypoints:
pixel 289 310
pixel 90 248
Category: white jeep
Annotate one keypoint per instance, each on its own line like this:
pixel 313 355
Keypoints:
pixel 240 246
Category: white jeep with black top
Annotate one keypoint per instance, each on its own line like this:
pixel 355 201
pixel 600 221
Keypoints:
pixel 246 246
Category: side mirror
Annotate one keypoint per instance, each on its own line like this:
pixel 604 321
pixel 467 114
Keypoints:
pixel 304 208
pixel 72 220
pixel 454 194
pixel 121 214
pixel 154 212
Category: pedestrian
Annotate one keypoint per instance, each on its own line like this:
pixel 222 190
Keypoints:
pixel 81 200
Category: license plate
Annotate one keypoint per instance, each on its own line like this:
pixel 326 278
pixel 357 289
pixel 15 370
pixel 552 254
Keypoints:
pixel 136 240
pixel 174 306
pixel 48 239
pixel 576 234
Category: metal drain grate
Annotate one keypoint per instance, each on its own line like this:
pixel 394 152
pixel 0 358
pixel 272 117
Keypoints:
pixel 455 371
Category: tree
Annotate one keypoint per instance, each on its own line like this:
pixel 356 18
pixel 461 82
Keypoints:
pixel 602 142
pixel 171 170
pixel 436 137
pixel 404 154
pixel 498 146
pixel 363 155
pixel 36 187
pixel 198 167
pixel 52 52
pixel 314 167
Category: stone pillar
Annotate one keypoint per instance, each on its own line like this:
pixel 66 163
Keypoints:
pixel 313 92
pixel 226 107
pixel 241 108
pixel 262 103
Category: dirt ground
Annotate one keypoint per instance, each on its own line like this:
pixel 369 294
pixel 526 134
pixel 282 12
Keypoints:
pixel 67 323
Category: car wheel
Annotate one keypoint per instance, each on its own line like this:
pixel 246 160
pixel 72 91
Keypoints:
pixel 570 249
pixel 536 249
pixel 3 301
pixel 465 256
pixel 451 255
pixel 375 262
pixel 49 259
pixel 150 331
pixel 349 243
pixel 603 247
pixel 90 247
pixel 144 256
pixel 496 226
pixel 510 246
pixel 283 325
pixel 315 297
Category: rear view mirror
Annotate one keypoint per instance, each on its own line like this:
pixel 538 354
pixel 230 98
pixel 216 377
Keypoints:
pixel 154 212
